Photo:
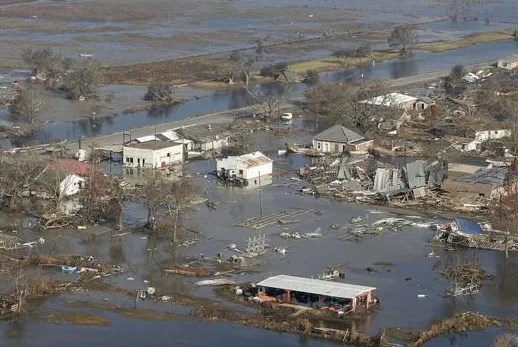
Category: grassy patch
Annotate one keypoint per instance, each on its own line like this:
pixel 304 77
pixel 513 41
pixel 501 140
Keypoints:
pixel 78 318
pixel 466 42
pixel 331 63
pixel 176 71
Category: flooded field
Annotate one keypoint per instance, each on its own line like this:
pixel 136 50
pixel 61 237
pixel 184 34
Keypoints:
pixel 123 31
pixel 395 262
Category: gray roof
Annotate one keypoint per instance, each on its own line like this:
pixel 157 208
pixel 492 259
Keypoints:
pixel 338 133
pixel 312 286
pixel 493 177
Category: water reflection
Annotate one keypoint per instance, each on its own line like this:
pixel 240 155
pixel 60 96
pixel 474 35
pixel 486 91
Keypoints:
pixel 403 68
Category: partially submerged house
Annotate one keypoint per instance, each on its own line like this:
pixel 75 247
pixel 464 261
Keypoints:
pixel 152 154
pixel 508 63
pixel 402 101
pixel 340 139
pixel 338 297
pixel 249 169
pixel 487 182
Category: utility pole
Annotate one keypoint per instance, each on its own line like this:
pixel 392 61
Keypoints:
pixel 260 196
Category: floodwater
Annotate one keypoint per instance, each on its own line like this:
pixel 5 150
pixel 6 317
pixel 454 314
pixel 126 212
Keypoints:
pixel 212 102
pixel 125 331
pixel 401 269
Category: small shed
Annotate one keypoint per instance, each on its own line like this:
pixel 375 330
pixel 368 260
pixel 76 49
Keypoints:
pixel 317 293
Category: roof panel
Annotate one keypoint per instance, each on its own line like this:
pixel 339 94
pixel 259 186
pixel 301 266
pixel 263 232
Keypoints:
pixel 312 286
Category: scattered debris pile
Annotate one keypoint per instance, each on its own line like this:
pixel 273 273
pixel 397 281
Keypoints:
pixel 466 278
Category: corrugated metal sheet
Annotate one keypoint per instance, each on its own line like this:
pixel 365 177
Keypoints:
pixel 312 286
pixel 415 173
pixel 254 159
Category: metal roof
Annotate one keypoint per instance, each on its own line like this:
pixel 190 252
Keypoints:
pixel 312 286
pixel 494 176
pixel 392 99
pixel 468 226
pixel 338 133
pixel 254 159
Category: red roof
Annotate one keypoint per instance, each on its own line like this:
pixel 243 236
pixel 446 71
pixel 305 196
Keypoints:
pixel 70 166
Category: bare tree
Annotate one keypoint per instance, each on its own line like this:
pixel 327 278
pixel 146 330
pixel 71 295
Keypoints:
pixel 159 92
pixel 27 104
pixel 242 66
pixel 45 62
pixel 269 100
pixel 506 340
pixel 403 38
pixel 454 85
pixel 82 81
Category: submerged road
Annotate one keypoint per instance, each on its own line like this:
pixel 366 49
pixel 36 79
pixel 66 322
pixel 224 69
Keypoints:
pixel 228 116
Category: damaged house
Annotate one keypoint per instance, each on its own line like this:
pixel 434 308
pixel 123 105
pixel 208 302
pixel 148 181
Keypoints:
pixel 487 182
pixel 409 179
pixel 253 169
pixel 340 139
pixel 202 138
pixel 402 101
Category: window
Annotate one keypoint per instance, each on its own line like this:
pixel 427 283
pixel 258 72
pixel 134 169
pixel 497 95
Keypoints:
pixel 127 159
pixel 318 145
pixel 138 161
pixel 143 162
pixel 336 147
pixel 168 154
pixel 240 172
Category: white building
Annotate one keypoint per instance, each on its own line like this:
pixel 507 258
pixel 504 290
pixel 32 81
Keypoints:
pixel 152 154
pixel 508 63
pixel 248 169
pixel 485 135
pixel 405 102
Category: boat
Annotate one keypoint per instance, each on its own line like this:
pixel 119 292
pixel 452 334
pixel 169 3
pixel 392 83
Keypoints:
pixel 287 116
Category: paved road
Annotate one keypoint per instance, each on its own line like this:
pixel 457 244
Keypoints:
pixel 227 116
pixel 432 76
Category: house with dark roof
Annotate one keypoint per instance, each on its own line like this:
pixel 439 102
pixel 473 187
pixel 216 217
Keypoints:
pixel 339 139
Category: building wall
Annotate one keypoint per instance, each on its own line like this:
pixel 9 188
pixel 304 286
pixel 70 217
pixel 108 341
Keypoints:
pixel 464 187
pixel 329 147
pixel 148 158
pixel 361 146
pixel 492 134
pixel 212 145
pixel 249 173
pixel 505 64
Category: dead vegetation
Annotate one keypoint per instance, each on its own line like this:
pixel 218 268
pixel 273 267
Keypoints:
pixel 291 325
pixel 466 273
pixel 93 12
pixel 176 71
pixel 77 318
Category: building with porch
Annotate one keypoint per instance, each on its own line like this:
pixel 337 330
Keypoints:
pixel 341 297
